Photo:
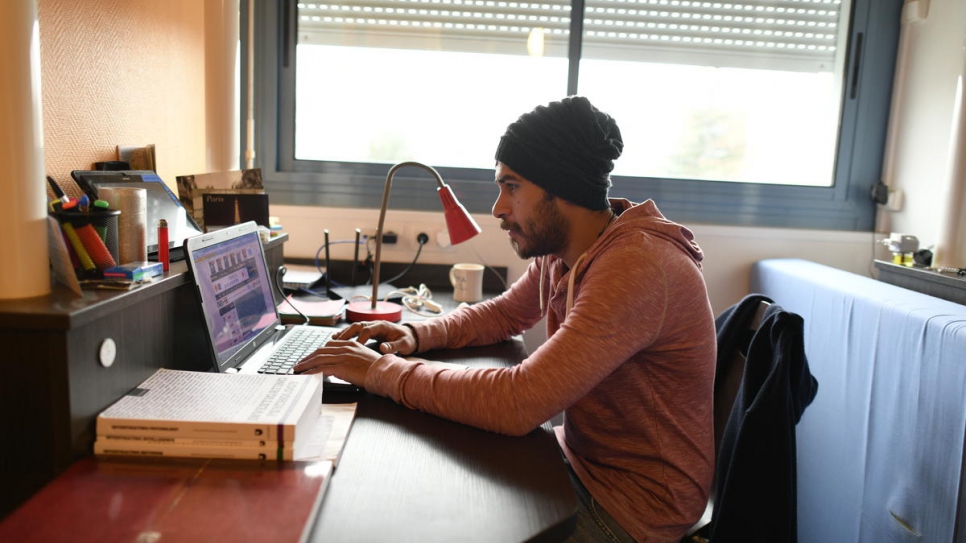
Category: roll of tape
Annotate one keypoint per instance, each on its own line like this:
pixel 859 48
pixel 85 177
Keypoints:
pixel 132 224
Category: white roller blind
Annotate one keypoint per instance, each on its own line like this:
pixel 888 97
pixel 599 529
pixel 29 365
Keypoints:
pixel 798 35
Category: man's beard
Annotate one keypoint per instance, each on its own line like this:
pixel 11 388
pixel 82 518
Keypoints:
pixel 545 232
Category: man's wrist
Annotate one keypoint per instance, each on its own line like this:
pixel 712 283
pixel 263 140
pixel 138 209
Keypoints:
pixel 415 336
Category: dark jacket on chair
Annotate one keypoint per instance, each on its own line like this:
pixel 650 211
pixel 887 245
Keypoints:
pixel 756 465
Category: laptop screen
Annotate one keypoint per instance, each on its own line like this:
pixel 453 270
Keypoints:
pixel 235 290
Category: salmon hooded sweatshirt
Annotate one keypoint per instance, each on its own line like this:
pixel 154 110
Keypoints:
pixel 629 359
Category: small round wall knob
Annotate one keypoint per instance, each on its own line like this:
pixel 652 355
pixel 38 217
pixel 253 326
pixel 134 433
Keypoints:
pixel 107 352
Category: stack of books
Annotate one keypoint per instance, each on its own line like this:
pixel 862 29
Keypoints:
pixel 191 414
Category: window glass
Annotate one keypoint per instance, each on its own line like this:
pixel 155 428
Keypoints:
pixel 433 81
pixel 727 91
pixel 701 90
pixel 749 112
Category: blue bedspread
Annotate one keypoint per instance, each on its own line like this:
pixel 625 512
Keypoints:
pixel 880 450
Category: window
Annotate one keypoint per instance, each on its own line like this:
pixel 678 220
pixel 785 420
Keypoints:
pixel 744 112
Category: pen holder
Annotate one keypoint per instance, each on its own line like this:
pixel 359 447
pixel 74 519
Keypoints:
pixel 91 238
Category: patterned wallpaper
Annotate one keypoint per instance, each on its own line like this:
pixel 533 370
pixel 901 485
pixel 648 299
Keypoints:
pixel 129 72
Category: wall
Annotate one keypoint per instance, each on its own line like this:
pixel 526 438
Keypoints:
pixel 729 251
pixel 134 73
pixel 121 72
pixel 924 122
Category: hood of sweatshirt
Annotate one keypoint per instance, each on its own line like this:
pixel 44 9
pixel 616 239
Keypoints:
pixel 645 217
pixel 631 219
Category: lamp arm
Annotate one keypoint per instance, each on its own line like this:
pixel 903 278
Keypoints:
pixel 382 220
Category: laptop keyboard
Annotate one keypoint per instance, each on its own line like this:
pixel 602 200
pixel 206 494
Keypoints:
pixel 301 341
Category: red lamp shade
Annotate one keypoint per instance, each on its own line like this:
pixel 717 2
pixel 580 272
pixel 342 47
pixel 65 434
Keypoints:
pixel 460 224
pixel 461 227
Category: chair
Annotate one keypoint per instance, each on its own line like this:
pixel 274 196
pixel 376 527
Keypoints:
pixel 762 387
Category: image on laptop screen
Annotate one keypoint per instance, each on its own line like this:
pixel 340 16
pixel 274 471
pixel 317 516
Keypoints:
pixel 235 291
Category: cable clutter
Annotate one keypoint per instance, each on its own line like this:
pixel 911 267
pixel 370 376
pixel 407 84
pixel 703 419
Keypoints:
pixel 419 301
pixel 324 265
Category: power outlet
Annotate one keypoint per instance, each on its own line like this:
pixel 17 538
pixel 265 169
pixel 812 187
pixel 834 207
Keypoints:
pixel 435 234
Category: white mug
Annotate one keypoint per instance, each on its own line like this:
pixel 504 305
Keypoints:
pixel 467 281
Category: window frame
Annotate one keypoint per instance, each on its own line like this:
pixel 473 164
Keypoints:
pixel 847 205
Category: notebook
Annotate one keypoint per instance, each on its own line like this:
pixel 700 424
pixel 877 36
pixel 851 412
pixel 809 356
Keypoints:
pixel 242 323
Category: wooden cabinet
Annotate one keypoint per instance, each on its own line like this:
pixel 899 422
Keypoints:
pixel 65 358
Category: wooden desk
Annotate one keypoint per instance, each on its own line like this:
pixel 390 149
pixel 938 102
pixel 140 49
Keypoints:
pixel 408 476
pixel 403 475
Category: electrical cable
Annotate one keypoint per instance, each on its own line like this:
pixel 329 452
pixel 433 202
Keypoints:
pixel 948 269
pixel 279 273
pixel 487 266
pixel 418 301
pixel 366 240
pixel 405 271
pixel 324 246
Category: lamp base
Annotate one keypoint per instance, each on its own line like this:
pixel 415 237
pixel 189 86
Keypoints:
pixel 363 311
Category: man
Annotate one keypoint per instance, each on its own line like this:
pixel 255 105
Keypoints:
pixel 630 352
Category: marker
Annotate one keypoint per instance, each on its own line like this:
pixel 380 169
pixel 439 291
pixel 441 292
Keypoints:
pixel 101 205
pixel 83 204
pixel 163 244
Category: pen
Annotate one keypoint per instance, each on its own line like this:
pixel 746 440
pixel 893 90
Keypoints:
pixel 163 244
pixel 59 192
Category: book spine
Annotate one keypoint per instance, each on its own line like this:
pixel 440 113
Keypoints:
pixel 194 429
pixel 147 449
pixel 191 442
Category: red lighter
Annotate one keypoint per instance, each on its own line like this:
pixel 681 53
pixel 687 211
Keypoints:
pixel 163 243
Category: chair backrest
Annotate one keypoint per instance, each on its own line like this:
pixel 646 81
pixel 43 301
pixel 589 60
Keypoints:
pixel 727 380
pixel 760 399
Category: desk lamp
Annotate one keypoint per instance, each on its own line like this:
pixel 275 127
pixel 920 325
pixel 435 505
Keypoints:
pixel 461 227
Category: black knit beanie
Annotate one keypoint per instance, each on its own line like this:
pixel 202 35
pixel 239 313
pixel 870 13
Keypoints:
pixel 568 148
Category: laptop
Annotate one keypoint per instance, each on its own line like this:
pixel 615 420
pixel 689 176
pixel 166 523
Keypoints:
pixel 242 323
pixel 161 204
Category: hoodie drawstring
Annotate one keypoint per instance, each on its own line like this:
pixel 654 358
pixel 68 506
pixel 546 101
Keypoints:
pixel 570 285
pixel 542 306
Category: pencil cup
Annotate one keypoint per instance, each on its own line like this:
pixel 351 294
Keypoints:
pixel 105 223
pixel 91 238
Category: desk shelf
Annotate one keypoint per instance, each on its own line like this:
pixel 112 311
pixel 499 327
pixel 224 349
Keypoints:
pixel 946 286
pixel 54 382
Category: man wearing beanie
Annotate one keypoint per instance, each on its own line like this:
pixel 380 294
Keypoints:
pixel 630 351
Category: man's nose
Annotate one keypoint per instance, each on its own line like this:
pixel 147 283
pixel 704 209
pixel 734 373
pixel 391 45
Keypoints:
pixel 499 207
